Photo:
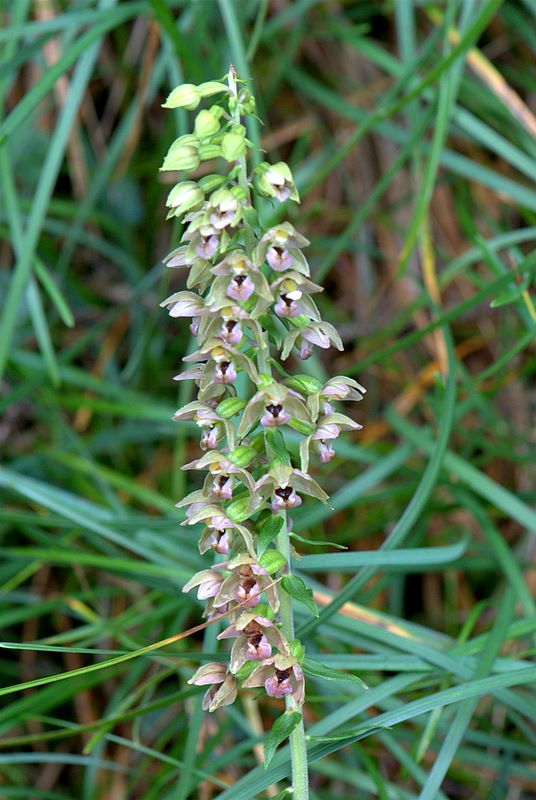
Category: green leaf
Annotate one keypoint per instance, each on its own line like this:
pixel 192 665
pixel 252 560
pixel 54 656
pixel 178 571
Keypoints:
pixel 269 531
pixel 297 589
pixel 349 735
pixel 511 295
pixel 317 670
pixel 409 557
pixel 281 730
pixel 316 542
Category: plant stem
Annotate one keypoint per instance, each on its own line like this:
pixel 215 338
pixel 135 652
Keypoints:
pixel 298 749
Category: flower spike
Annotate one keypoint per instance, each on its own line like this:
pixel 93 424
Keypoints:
pixel 249 296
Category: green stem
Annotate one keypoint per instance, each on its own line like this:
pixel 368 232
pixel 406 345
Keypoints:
pixel 298 749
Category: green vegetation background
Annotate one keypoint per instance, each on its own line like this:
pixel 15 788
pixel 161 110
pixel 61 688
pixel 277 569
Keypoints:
pixel 410 127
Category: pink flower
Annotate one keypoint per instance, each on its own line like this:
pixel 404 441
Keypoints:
pixel 219 696
pixel 278 684
pixel 210 437
pixel 306 351
pixel 222 487
pixel 258 647
pixel 207 246
pixel 274 416
pixel 224 372
pixel 240 288
pixel 217 539
pixel 231 332
pixel 246 583
pixel 285 497
pixel 326 452
pixel 255 636
pixel 278 258
pixel 281 675
pixel 208 581
pixel 222 692
pixel 342 388
pixel 288 307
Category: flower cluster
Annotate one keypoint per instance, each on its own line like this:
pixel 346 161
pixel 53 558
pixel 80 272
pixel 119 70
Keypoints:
pixel 249 295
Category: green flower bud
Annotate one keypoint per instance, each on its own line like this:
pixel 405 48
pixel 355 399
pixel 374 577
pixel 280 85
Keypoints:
pixel 242 456
pixel 185 196
pixel 209 183
pixel 305 384
pixel 206 124
pixel 239 510
pixel 181 157
pixel 233 146
pixel 209 88
pixel 230 406
pixel 184 96
pixel 208 151
pixel 272 561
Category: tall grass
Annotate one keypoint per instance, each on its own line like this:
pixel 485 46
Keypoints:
pixel 410 127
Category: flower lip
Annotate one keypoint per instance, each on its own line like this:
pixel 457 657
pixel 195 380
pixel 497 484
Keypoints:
pixel 224 372
pixel 285 497
pixel 278 258
pixel 207 246
pixel 222 487
pixel 284 492
pixel 287 306
pixel 240 288
pixel 210 437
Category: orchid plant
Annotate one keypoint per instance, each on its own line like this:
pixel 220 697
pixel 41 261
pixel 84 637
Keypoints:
pixel 250 300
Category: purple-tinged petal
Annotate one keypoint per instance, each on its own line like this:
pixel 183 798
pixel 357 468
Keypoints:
pixel 278 685
pixel 278 259
pixel 287 307
pixel 285 497
pixel 207 246
pixel 224 372
pixel 274 416
pixel 210 437
pixel 224 695
pixel 258 647
pixel 250 591
pixel 306 351
pixel 213 672
pixel 326 452
pixel 231 332
pixel 240 288
pixel 222 487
